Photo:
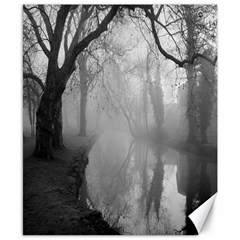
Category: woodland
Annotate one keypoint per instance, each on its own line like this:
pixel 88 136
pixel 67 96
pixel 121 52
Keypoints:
pixel 110 75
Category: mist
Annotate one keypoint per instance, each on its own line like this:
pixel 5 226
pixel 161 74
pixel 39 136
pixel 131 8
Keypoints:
pixel 146 118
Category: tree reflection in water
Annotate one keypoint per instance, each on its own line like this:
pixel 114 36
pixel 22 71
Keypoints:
pixel 196 187
pixel 129 183
pixel 156 187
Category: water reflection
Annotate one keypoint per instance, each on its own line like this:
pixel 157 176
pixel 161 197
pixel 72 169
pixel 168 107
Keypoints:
pixel 144 188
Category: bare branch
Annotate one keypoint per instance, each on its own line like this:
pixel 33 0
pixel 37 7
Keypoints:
pixel 47 22
pixel 33 89
pixel 169 56
pixel 159 11
pixel 58 31
pixel 67 33
pixel 90 37
pixel 171 35
pixel 174 21
pixel 86 13
pixel 35 28
pixel 35 78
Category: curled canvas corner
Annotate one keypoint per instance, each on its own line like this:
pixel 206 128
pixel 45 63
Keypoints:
pixel 199 216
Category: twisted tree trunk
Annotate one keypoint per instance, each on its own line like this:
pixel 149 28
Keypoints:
pixel 44 128
pixel 48 113
pixel 49 121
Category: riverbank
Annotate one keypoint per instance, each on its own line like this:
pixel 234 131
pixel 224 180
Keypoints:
pixel 208 151
pixel 49 202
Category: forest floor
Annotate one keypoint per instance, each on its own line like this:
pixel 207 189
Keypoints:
pixel 49 205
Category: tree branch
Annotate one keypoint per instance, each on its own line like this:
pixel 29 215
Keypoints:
pixel 58 30
pixel 35 78
pixel 170 34
pixel 35 28
pixel 89 38
pixel 68 30
pixel 47 22
pixel 33 89
pixel 79 27
pixel 169 56
pixel 159 11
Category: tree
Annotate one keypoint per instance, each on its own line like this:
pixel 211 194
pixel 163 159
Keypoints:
pixel 153 13
pixel 156 94
pixel 205 97
pixel 116 76
pixel 155 191
pixel 121 96
pixel 193 27
pixel 31 97
pixel 89 70
pixel 82 63
pixel 54 29
pixel 91 66
pixel 190 29
pixel 190 21
pixel 48 113
pixel 32 84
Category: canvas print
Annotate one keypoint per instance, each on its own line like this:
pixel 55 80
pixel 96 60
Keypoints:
pixel 119 118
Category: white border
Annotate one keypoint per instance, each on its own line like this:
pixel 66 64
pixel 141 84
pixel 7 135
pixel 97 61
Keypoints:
pixel 224 219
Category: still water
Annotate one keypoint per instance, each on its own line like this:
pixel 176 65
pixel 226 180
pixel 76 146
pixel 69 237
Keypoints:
pixel 144 188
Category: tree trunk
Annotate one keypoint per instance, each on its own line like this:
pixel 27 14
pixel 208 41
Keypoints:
pixel 83 194
pixel 145 105
pixel 30 109
pixel 57 78
pixel 82 62
pixel 191 114
pixel 83 120
pixel 32 130
pixel 44 128
pixel 49 116
pixel 65 119
pixel 31 122
pixel 204 139
pixel 156 98
pixel 78 113
pixel 57 134
pixel 33 119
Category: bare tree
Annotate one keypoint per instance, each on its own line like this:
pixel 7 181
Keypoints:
pixel 32 84
pixel 191 30
pixel 205 97
pixel 154 14
pixel 48 113
pixel 155 93
pixel 55 28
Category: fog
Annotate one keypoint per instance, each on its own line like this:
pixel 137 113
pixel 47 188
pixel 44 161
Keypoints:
pixel 155 125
